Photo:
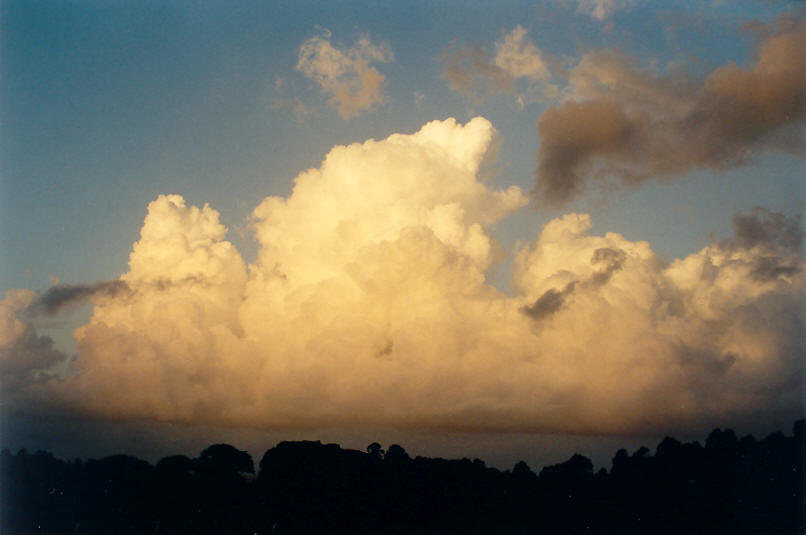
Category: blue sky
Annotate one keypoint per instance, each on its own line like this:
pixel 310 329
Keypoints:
pixel 107 105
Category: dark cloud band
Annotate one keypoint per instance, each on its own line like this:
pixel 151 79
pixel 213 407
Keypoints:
pixel 58 296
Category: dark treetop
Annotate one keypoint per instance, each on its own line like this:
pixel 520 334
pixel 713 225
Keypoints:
pixel 730 485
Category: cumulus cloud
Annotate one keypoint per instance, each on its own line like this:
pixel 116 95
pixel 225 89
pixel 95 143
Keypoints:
pixel 629 125
pixel 368 305
pixel 699 330
pixel 473 72
pixel 347 75
pixel 25 356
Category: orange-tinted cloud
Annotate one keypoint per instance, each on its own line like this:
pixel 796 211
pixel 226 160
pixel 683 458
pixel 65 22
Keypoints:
pixel 25 356
pixel 368 305
pixel 473 72
pixel 346 75
pixel 627 125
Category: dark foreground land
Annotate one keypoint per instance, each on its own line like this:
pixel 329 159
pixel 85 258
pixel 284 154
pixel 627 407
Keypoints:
pixel 730 485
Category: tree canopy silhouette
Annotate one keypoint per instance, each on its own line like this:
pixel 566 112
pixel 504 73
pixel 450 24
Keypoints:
pixel 731 484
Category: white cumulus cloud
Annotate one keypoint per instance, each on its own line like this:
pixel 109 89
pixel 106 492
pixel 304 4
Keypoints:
pixel 368 305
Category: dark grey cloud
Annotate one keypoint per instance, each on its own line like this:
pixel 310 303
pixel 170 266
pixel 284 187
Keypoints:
pixel 779 238
pixel 771 267
pixel 27 360
pixel 62 295
pixel 625 125
pixel 550 302
pixel 767 228
pixel 611 259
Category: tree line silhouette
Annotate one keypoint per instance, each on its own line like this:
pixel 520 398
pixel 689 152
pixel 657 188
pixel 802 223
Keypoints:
pixel 729 485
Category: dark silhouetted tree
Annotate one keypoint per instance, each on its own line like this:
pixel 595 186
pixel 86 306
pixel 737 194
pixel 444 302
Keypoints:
pixel 375 451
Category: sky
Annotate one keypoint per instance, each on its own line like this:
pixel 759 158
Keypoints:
pixel 500 230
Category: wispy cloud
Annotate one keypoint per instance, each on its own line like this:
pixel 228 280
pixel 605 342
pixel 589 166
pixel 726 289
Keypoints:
pixel 627 125
pixel 469 70
pixel 61 295
pixel 346 74
pixel 519 57
pixel 601 10
pixel 475 73
pixel 283 99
